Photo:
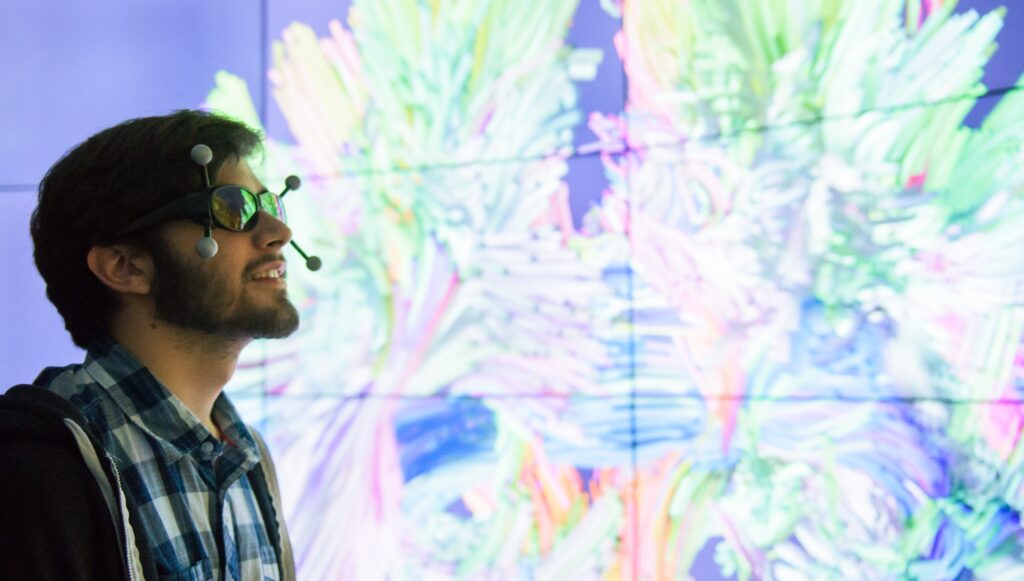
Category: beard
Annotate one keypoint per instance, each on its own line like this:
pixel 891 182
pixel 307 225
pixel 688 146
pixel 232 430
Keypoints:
pixel 193 298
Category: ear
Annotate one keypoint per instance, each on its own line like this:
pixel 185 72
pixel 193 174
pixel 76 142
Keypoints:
pixel 122 267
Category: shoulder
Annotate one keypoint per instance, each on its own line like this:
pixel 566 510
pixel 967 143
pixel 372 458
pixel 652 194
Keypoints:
pixel 35 439
pixel 82 388
pixel 49 499
pixel 28 410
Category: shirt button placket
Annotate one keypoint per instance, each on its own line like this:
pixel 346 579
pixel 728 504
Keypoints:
pixel 206 448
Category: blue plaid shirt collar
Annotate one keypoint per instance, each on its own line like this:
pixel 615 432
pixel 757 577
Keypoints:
pixel 159 413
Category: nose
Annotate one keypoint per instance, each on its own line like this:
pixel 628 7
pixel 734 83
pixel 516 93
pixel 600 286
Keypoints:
pixel 271 233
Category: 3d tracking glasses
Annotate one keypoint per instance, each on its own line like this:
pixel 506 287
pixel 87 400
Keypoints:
pixel 229 207
pixel 232 208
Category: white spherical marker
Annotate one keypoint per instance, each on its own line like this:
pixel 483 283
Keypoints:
pixel 206 247
pixel 202 155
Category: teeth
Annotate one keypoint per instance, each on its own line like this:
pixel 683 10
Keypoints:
pixel 267 274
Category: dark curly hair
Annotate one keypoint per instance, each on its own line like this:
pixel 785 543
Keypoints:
pixel 106 182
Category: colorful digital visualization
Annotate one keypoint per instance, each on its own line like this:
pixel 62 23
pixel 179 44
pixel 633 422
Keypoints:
pixel 782 341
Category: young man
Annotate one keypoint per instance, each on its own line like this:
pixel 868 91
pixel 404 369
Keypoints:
pixel 134 464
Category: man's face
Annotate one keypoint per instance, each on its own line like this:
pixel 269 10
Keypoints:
pixel 233 294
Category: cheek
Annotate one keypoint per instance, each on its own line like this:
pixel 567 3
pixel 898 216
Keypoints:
pixel 185 241
pixel 230 261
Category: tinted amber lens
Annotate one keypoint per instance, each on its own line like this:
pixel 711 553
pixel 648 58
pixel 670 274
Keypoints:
pixel 233 207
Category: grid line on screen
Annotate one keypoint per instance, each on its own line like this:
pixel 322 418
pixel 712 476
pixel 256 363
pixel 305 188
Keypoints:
pixel 595 150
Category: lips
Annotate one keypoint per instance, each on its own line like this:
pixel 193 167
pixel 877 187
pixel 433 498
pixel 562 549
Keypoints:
pixel 272 271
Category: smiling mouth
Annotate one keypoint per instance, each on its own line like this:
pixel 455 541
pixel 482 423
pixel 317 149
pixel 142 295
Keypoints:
pixel 275 273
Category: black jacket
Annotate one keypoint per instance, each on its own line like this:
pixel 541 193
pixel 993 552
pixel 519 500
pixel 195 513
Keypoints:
pixel 62 513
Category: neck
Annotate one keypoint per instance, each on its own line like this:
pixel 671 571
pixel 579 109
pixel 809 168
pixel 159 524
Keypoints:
pixel 191 365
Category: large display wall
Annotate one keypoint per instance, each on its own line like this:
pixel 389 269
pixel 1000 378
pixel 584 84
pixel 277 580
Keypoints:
pixel 623 290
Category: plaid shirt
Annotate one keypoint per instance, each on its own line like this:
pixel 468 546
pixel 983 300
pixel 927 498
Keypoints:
pixel 191 490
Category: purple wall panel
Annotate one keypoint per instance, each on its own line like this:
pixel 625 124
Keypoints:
pixel 32 335
pixel 73 68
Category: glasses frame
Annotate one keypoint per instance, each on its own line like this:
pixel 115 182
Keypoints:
pixel 198 207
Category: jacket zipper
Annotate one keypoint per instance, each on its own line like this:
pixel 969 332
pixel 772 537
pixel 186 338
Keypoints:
pixel 124 524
